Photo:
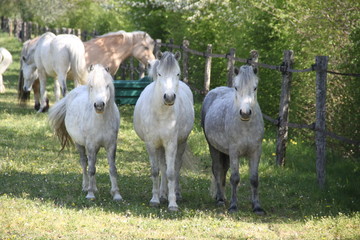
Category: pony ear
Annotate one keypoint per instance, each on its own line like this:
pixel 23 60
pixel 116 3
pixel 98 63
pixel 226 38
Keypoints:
pixel 177 55
pixel 236 70
pixel 90 68
pixel 159 55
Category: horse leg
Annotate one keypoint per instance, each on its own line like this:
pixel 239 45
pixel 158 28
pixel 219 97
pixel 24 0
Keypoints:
pixel 254 181
pixel 220 166
pixel 163 181
pixel 83 162
pixel 170 156
pixel 178 164
pixel 91 153
pixel 42 79
pixel 111 153
pixel 60 83
pixel 154 161
pixel 234 180
pixel 2 87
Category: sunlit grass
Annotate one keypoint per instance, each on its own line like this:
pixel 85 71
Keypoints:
pixel 41 198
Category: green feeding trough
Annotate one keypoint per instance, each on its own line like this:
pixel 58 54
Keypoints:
pixel 128 91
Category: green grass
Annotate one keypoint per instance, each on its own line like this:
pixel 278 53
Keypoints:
pixel 41 198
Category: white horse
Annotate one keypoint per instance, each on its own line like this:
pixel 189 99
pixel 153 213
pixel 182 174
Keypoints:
pixel 5 61
pixel 54 56
pixel 89 117
pixel 233 126
pixel 163 119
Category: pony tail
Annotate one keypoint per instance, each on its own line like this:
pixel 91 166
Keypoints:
pixel 78 63
pixel 56 120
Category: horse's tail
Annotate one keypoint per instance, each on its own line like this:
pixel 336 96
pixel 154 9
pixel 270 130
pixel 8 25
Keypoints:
pixel 78 63
pixel 56 119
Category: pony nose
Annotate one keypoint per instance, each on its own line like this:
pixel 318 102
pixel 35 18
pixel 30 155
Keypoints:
pixel 245 116
pixel 99 107
pixel 169 99
pixel 26 89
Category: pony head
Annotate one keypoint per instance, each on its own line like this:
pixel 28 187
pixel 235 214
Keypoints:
pixel 165 72
pixel 245 84
pixel 29 69
pixel 143 47
pixel 100 87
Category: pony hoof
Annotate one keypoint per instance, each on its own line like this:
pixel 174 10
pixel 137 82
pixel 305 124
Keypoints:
pixel 90 196
pixel 173 209
pixel 220 203
pixel 154 204
pixel 117 197
pixel 233 209
pixel 259 211
pixel 163 199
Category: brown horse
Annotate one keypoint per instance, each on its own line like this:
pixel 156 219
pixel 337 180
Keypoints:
pixel 109 50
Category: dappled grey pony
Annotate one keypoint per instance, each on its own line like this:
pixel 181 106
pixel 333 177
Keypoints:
pixel 89 117
pixel 163 119
pixel 233 125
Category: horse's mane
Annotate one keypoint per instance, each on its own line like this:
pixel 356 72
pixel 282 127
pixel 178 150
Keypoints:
pixel 127 35
pixel 94 78
pixel 246 78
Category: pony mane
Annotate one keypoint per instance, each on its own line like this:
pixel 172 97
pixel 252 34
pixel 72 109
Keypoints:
pixel 135 35
pixel 97 74
pixel 167 63
pixel 246 78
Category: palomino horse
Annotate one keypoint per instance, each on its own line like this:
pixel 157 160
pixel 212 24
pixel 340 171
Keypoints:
pixel 113 48
pixel 163 119
pixel 89 117
pixel 55 56
pixel 110 50
pixel 5 61
pixel 234 127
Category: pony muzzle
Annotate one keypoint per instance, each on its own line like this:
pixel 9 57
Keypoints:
pixel 245 116
pixel 27 89
pixel 99 107
pixel 169 99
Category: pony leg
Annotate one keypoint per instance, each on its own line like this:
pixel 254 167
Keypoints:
pixel 42 79
pixel 163 181
pixel 254 182
pixel 91 172
pixel 170 156
pixel 84 164
pixel 154 161
pixel 111 153
pixel 2 87
pixel 178 164
pixel 234 180
pixel 220 166
pixel 57 89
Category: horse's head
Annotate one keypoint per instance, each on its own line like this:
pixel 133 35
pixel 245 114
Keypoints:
pixel 245 85
pixel 101 87
pixel 143 47
pixel 30 72
pixel 165 71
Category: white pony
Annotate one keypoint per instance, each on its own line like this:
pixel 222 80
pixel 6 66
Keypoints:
pixel 89 117
pixel 5 61
pixel 234 127
pixel 163 119
pixel 54 56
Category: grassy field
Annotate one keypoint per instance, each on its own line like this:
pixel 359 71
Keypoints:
pixel 41 198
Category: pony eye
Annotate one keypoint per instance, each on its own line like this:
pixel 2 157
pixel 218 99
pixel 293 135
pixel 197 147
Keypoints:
pixel 178 74
pixel 255 88
pixel 235 88
pixel 159 74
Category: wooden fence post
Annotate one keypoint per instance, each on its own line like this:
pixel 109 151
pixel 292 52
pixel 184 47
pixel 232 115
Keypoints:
pixel 230 67
pixel 208 60
pixel 157 46
pixel 284 108
pixel 171 42
pixel 185 58
pixel 320 123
